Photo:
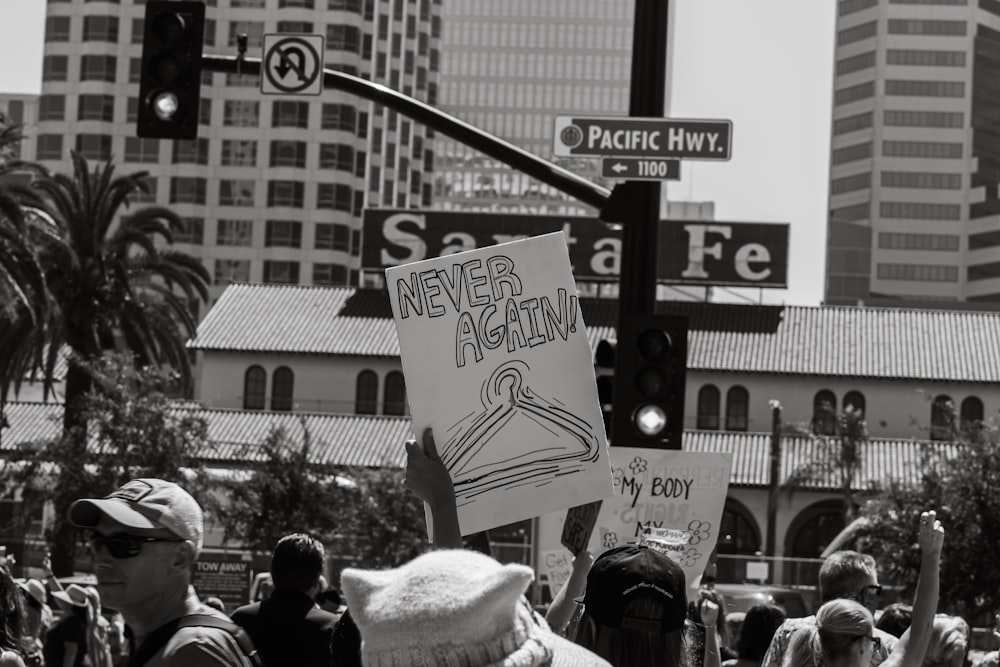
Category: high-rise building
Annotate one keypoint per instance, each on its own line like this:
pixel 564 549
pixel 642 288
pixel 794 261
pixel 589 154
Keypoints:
pixel 914 212
pixel 19 109
pixel 509 68
pixel 274 186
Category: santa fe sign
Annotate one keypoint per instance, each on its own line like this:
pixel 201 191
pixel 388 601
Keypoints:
pixel 622 136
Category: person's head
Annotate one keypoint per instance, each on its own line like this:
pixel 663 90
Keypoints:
pixel 948 643
pixel 455 607
pixel 895 619
pixel 329 599
pixel 842 635
pixel 759 626
pixel 734 625
pixel 852 576
pixel 33 593
pixel 145 538
pixel 298 562
pixel 634 607
pixel 12 617
pixel 215 603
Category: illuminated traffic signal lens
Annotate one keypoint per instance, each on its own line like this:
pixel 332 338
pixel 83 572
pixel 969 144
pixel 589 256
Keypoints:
pixel 653 344
pixel 650 419
pixel 165 106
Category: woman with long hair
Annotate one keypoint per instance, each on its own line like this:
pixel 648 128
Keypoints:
pixel 12 620
pixel 843 635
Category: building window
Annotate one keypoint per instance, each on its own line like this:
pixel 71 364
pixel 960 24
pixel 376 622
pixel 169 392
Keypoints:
pixel 98 68
pixel 187 190
pixel 861 121
pixel 135 70
pixel 918 88
pixel 254 388
pixel 926 27
pixel 366 393
pixel 205 110
pixel 341 37
pixel 972 413
pixel 737 409
pixel 856 63
pixel 288 154
pixel 283 234
pixel 194 151
pixel 921 180
pixel 336 156
pixel 855 401
pixel 942 417
pixel 394 396
pixel 148 190
pixel 241 113
pixel 334 195
pixel 857 33
pixel 54 68
pixel 234 233
pixel 96 107
pixel 851 183
pixel 935 273
pixel 852 153
pixel 285 193
pixel 920 211
pixel 284 273
pixel 236 193
pixel 52 107
pixel 49 147
pixel 925 58
pixel 192 232
pixel 142 150
pixel 94 146
pixel 338 117
pixel 933 242
pixel 899 118
pixel 285 113
pixel 922 149
pixel 57 29
pixel 329 274
pixel 851 213
pixel 239 153
pixel 862 91
pixel 709 398
pixel 738 532
pixel 824 421
pixel 253 29
pixel 231 270
pixel 814 528
pixel 282 389
pixel 100 29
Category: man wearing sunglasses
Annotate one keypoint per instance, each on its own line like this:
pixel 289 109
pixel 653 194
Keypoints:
pixel 145 539
pixel 843 575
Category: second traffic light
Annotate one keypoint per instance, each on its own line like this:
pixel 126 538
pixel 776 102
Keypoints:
pixel 650 373
pixel 170 81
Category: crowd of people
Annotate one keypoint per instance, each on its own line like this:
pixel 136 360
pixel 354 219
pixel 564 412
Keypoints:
pixel 450 606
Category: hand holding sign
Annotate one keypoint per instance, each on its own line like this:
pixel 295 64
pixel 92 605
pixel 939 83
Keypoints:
pixel 428 479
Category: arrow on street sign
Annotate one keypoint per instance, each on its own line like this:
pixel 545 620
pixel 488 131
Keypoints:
pixel 620 136
pixel 641 169
pixel 292 64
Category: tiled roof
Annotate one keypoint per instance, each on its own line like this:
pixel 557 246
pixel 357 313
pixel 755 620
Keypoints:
pixel 362 440
pixel 961 346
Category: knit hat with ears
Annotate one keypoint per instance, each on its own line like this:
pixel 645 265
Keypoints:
pixel 457 608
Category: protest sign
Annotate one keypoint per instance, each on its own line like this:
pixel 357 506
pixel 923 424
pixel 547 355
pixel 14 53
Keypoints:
pixel 225 575
pixel 678 496
pixel 556 566
pixel 579 526
pixel 497 363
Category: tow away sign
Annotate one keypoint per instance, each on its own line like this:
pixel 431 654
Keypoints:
pixel 621 136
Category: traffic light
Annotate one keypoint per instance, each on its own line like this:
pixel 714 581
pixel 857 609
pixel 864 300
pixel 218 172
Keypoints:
pixel 604 369
pixel 649 382
pixel 170 83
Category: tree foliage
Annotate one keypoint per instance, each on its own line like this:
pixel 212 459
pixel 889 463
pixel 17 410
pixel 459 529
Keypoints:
pixel 961 480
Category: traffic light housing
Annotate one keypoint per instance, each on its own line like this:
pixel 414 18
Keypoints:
pixel 650 374
pixel 170 81
pixel 604 369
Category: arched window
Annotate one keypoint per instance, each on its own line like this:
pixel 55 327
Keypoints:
pixel 972 413
pixel 366 394
pixel 282 388
pixel 942 417
pixel 737 407
pixel 738 535
pixel 814 528
pixel 394 394
pixel 856 401
pixel 708 407
pixel 824 412
pixel 254 388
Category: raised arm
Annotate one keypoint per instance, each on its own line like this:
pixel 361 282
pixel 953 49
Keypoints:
pixel 428 479
pixel 912 646
pixel 561 610
pixel 709 612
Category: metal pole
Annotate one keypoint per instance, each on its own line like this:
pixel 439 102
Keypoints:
pixel 525 162
pixel 773 479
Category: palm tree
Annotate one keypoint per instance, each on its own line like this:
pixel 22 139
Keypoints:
pixel 110 288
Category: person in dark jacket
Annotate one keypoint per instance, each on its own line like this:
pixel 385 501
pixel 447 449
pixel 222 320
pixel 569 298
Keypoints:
pixel 289 628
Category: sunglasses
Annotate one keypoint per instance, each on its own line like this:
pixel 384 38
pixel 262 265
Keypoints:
pixel 871 590
pixel 123 545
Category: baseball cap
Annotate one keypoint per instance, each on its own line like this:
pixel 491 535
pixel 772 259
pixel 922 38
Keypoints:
pixel 145 504
pixel 635 569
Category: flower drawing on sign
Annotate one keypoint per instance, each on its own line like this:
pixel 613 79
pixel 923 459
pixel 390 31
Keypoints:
pixel 610 540
pixel 700 531
pixel 688 558
pixel 638 466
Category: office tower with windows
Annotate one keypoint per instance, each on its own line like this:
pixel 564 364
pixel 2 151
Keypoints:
pixel 273 188
pixel 914 209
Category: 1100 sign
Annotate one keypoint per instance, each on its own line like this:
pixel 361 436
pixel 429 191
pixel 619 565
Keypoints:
pixel 653 168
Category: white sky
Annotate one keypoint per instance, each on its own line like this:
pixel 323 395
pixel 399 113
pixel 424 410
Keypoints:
pixel 764 64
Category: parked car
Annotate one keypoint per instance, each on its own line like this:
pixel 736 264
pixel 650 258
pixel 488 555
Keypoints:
pixel 740 597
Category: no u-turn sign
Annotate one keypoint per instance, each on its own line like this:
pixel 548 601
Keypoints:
pixel 642 137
